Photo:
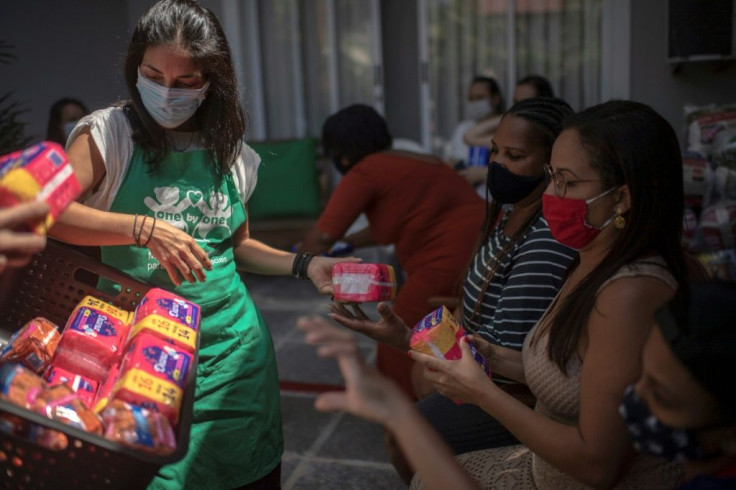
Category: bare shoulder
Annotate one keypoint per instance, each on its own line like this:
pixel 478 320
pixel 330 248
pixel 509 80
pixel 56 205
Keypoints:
pixel 632 299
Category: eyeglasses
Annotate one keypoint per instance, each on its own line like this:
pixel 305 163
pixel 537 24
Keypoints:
pixel 560 181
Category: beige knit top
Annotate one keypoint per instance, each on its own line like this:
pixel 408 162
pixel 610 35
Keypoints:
pixel 558 397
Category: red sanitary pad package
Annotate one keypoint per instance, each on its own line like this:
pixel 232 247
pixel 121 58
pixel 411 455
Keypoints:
pixel 153 375
pixel 93 338
pixel 41 172
pixel 360 283
pixel 85 388
pixel 168 316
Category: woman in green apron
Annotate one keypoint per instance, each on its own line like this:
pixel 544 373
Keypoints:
pixel 166 178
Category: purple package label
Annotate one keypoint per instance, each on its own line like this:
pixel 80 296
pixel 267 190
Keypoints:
pixel 170 362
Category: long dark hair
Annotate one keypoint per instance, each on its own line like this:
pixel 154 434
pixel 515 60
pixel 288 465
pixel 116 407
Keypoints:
pixel 54 131
pixel 353 133
pixel 629 143
pixel 185 24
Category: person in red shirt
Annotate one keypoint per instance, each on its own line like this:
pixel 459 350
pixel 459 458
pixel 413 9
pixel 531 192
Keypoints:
pixel 431 215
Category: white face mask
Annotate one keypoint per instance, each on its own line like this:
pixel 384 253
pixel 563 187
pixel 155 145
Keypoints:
pixel 478 109
pixel 170 107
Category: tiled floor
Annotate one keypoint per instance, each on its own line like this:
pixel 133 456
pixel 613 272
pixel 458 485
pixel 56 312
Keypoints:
pixel 323 450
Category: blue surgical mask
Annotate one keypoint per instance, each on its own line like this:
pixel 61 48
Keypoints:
pixel 652 436
pixel 169 107
pixel 68 128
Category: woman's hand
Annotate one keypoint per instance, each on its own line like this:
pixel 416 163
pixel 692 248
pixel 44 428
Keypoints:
pixel 474 175
pixel 368 394
pixel 17 247
pixel 390 329
pixel 462 380
pixel 319 272
pixel 177 252
pixel 484 347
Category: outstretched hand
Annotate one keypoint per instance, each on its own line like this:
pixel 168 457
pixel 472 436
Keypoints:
pixel 462 380
pixel 319 272
pixel 368 394
pixel 17 247
pixel 390 329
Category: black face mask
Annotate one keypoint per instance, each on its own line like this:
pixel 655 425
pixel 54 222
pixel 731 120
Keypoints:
pixel 507 187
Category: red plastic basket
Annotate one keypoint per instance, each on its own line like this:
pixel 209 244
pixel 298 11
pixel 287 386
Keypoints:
pixel 51 286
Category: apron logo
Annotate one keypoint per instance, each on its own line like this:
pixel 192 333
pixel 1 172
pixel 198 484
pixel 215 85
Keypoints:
pixel 191 212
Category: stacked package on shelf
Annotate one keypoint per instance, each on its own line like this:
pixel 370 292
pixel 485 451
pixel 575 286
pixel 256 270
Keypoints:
pixel 710 230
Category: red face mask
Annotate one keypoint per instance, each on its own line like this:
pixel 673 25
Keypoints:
pixel 566 219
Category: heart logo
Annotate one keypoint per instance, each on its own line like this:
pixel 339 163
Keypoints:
pixel 194 197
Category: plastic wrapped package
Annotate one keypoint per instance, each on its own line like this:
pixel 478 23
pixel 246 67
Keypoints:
pixel 438 334
pixel 717 228
pixel 705 122
pixel 61 403
pixel 84 387
pixel 138 427
pixel 104 391
pixel 168 316
pixel 721 186
pixel 33 345
pixel 689 226
pixel 721 265
pixel 153 375
pixel 19 385
pixel 724 148
pixel 93 338
pixel 41 172
pixel 360 283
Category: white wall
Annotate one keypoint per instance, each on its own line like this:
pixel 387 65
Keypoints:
pixel 653 81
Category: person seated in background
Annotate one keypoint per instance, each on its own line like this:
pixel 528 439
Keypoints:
pixel 478 135
pixel 513 277
pixel 615 195
pixel 63 116
pixel 684 406
pixel 414 201
pixel 532 86
pixel 484 106
pixel 17 247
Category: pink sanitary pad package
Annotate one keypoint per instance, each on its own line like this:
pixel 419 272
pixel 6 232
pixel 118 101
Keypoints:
pixel 153 375
pixel 361 283
pixel 168 316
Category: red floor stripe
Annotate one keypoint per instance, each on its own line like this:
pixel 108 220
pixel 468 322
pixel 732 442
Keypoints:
pixel 308 387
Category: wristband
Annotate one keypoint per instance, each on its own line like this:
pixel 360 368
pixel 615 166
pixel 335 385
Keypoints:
pixel 300 264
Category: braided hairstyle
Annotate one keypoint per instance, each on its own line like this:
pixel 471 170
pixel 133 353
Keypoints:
pixel 546 116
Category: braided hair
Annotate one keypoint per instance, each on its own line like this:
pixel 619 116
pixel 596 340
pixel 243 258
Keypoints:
pixel 546 116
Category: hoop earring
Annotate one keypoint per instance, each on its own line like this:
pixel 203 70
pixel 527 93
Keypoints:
pixel 619 221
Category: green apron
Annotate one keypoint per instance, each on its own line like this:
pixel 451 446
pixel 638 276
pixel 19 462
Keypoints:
pixel 236 432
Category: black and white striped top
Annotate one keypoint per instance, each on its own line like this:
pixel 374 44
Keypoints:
pixel 524 284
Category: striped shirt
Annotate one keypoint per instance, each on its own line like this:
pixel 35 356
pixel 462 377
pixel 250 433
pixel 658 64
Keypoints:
pixel 525 283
